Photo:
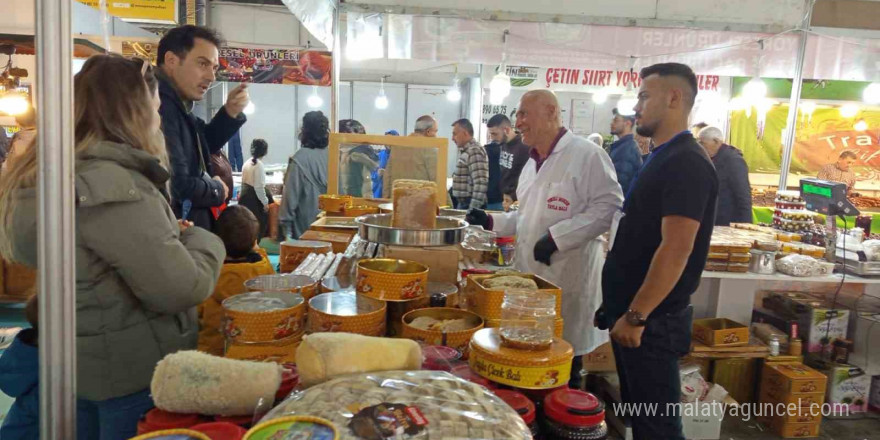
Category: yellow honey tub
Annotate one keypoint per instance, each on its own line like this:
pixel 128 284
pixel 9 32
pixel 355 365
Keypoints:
pixel 301 284
pixel 527 369
pixel 392 280
pixel 281 351
pixel 263 316
pixel 455 339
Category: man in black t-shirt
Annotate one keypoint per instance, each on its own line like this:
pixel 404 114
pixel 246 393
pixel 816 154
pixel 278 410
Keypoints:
pixel 514 153
pixel 658 251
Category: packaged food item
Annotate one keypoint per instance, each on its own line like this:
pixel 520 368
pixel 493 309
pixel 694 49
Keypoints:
pixel 440 358
pixel 522 369
pixel 391 279
pixel 442 326
pixel 415 204
pixel 416 404
pixel 693 386
pixel 719 248
pixel 789 196
pixel 799 266
pixel 740 258
pixel 506 251
pixel 718 256
pixel 218 390
pixel 523 406
pixel 574 415
pixel 511 281
pixel 716 266
pixel 263 316
pixel 294 427
pixel 527 319
pixel 738 267
pixel 324 356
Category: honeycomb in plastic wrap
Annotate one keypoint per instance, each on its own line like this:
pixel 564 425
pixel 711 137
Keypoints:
pixel 415 204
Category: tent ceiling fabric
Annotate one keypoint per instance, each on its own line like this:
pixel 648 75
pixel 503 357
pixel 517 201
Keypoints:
pixel 316 16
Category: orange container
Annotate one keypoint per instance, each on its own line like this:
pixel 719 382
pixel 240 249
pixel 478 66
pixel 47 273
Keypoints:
pixel 558 326
pixel 293 252
pixel 458 340
pixel 263 316
pixel 720 332
pixel 391 280
pixel 346 312
pixel 357 211
pixel 301 284
pixel 281 351
pixel 486 301
pixel 333 202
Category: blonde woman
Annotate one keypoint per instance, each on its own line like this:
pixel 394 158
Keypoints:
pixel 139 273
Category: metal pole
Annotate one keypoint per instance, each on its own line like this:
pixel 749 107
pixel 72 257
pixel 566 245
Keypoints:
pixel 336 54
pixel 55 220
pixel 405 107
pixel 795 99
pixel 351 100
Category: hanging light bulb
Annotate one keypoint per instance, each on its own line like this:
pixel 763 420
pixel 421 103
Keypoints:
pixel 626 105
pixel 381 100
pixel 454 93
pixel 250 108
pixel 849 110
pixel 754 91
pixel 499 88
pixel 14 103
pixel 808 107
pixel 871 95
pixel 314 100
pixel 600 97
pixel 861 125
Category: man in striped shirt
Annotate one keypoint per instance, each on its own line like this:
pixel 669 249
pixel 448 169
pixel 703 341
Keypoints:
pixel 470 181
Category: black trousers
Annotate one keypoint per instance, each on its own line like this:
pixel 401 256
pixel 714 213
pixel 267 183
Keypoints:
pixel 650 381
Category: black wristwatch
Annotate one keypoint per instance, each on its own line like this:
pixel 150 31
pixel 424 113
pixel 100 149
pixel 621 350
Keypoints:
pixel 635 318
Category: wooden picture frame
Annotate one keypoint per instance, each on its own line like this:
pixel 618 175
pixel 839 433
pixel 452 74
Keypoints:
pixel 339 139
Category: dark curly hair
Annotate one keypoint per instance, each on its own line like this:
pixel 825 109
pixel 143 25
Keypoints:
pixel 259 149
pixel 351 126
pixel 238 228
pixel 315 132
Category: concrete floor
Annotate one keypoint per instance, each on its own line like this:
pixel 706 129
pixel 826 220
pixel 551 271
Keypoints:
pixel 866 427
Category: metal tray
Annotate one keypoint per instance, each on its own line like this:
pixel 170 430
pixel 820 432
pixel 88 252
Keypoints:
pixel 861 268
pixel 377 228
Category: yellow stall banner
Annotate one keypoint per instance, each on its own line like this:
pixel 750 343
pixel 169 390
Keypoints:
pixel 146 11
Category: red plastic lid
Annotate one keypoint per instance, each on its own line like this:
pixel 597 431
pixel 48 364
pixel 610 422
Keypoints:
pixel 438 357
pixel 519 402
pixel 574 408
pixel 157 419
pixel 289 381
pixel 464 371
pixel 505 240
pixel 220 430
pixel 243 421
pixel 539 395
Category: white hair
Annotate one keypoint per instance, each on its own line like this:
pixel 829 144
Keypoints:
pixel 712 133
pixel 596 138
pixel 424 124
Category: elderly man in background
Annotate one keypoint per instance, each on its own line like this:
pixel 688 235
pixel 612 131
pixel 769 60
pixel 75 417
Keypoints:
pixel 426 126
pixel 568 194
pixel 734 190
pixel 470 181
pixel 841 171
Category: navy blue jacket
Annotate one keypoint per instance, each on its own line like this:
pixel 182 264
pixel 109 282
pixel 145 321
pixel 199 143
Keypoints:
pixel 627 161
pixel 19 375
pixel 185 137
pixel 734 190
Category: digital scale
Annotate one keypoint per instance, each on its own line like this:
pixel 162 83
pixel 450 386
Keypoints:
pixel 829 198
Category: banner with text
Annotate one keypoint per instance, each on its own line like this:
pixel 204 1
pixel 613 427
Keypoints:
pixel 146 11
pixel 574 79
pixel 275 66
pixel 819 140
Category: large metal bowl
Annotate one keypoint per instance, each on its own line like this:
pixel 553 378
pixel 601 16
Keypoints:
pixel 377 228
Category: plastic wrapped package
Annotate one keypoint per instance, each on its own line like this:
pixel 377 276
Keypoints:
pixel 406 404
pixel 693 386
pixel 871 248
pixel 324 356
pixel 800 266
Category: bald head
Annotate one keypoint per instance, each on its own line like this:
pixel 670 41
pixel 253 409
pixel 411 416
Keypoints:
pixel 426 126
pixel 539 119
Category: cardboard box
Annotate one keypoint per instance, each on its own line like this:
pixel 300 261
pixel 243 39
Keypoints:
pixel 720 332
pixel 793 430
pixel 737 376
pixel 806 400
pixel 700 422
pixel 339 240
pixel 816 333
pixel 848 385
pixel 442 261
pixel 792 379
pixel 601 359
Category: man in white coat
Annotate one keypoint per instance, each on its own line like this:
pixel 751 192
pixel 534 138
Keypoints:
pixel 568 194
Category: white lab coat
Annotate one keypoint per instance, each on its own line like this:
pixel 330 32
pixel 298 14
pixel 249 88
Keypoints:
pixel 575 196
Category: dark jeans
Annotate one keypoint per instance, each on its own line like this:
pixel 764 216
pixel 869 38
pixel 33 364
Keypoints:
pixel 577 364
pixel 649 375
pixel 112 419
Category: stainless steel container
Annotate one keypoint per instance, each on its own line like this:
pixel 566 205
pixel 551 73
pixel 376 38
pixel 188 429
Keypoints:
pixel 762 262
pixel 377 228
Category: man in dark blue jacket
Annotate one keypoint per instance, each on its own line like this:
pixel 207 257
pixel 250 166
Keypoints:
pixel 625 151
pixel 734 190
pixel 188 58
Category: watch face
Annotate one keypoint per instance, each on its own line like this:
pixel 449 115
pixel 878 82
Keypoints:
pixel 634 319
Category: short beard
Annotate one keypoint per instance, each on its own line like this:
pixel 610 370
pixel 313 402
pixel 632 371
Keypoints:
pixel 646 130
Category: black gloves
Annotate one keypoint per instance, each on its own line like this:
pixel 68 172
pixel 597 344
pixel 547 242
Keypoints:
pixel 478 217
pixel 544 248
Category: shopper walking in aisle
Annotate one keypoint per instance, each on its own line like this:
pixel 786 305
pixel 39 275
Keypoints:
pixel 254 194
pixel 734 190
pixel 358 163
pixel 624 151
pixel 470 181
pixel 306 177
pixel 657 251
pixel 426 126
pixel 139 272
pixel 188 58
pixel 568 194
pixel 514 153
